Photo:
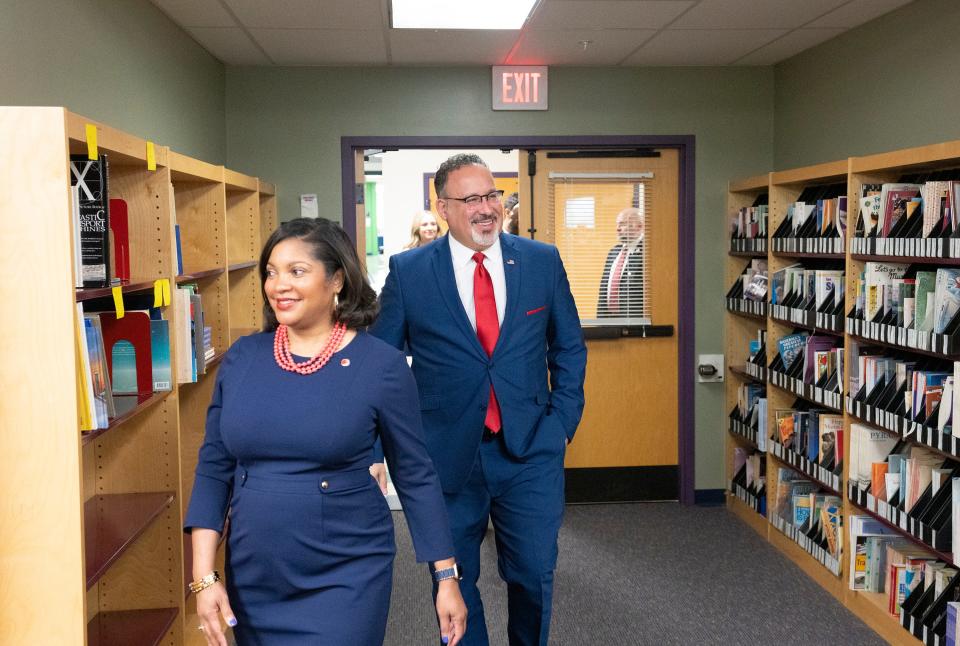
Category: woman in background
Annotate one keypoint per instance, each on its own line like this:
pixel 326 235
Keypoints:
pixel 423 229
pixel 295 412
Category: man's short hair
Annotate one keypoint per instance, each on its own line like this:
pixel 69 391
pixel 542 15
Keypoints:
pixel 454 163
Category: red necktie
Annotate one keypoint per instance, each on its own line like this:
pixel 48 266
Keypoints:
pixel 488 329
pixel 614 300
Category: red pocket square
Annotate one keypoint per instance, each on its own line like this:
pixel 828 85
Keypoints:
pixel 539 309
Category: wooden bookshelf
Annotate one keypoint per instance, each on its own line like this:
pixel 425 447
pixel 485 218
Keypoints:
pixel 121 628
pixel 784 188
pixel 92 521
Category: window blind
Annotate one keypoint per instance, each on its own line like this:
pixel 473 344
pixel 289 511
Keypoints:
pixel 602 229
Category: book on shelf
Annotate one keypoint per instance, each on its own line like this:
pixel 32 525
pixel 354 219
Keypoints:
pixel 750 222
pixel 867 445
pixel 99 374
pixel 790 347
pixel 160 354
pixel 893 201
pixel 85 403
pixel 90 177
pixel 946 298
pixel 184 345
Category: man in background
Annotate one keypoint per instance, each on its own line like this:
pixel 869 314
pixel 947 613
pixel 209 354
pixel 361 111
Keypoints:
pixel 482 341
pixel 621 287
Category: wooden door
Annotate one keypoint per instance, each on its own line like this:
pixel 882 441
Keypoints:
pixel 626 447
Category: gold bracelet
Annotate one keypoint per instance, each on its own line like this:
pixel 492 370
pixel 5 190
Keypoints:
pixel 204 582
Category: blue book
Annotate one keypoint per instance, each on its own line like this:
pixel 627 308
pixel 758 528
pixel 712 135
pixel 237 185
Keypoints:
pixel 160 354
pixel 176 233
pixel 790 347
pixel 813 436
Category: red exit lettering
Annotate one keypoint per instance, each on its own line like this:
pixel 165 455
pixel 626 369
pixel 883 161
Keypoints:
pixel 520 87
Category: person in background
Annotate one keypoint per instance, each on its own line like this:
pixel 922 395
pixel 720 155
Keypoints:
pixel 423 229
pixel 511 214
pixel 621 286
pixel 484 344
pixel 295 412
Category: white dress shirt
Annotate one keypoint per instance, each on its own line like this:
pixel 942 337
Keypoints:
pixel 463 269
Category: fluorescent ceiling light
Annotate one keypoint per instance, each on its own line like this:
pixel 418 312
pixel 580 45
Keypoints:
pixel 460 14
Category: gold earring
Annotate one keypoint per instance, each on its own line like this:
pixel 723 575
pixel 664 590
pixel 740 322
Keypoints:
pixel 336 302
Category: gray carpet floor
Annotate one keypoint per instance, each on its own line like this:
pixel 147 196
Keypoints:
pixel 655 574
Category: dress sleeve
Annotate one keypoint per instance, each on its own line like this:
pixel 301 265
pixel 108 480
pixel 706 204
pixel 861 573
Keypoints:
pixel 215 467
pixel 411 468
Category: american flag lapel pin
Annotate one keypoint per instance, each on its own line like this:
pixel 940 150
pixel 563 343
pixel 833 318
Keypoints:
pixel 344 362
pixel 510 261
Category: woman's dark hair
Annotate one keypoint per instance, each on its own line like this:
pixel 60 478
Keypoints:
pixel 330 245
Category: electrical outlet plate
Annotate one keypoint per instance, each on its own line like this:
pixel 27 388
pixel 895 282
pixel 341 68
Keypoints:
pixel 715 360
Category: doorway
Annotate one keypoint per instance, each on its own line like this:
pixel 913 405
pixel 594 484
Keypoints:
pixel 612 459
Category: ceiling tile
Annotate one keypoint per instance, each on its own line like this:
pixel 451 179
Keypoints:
pixel 323 47
pixel 857 12
pixel 563 47
pixel 607 14
pixel 751 14
pixel 196 13
pixel 685 47
pixel 446 47
pixel 788 45
pixel 308 14
pixel 229 44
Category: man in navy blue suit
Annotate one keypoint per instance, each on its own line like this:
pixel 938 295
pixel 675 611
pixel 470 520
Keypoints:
pixel 486 315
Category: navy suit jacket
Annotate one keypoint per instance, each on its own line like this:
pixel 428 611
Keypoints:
pixel 631 284
pixel 420 307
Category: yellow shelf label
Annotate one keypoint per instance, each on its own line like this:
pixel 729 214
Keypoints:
pixel 92 152
pixel 151 157
pixel 118 301
pixel 161 292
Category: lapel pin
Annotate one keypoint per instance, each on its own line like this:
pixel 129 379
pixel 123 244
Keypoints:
pixel 510 261
pixel 344 362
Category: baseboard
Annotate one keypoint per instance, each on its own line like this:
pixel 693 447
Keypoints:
pixel 622 484
pixel 710 497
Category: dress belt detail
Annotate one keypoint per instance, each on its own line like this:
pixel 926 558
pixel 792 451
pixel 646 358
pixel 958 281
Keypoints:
pixel 327 482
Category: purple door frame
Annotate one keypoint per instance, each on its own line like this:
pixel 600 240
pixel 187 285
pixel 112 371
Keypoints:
pixel 686 147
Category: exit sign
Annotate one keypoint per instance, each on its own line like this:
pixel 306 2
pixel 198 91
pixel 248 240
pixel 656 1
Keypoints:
pixel 519 87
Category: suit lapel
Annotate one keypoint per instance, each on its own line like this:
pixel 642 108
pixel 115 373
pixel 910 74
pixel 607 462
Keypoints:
pixel 447 283
pixel 511 272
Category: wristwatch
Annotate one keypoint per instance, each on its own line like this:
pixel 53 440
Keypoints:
pixel 452 572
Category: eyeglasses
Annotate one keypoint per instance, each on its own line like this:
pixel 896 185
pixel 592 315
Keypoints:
pixel 474 201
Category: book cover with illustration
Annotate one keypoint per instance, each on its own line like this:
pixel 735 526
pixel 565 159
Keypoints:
pixel 93 210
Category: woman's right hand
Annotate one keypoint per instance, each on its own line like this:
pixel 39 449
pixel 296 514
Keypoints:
pixel 212 602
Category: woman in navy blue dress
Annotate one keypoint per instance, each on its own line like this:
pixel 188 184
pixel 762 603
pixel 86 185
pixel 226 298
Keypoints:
pixel 290 432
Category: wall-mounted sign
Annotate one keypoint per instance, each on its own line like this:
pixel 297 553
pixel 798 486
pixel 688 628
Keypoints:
pixel 520 87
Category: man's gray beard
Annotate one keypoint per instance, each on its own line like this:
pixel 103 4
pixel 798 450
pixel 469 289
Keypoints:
pixel 482 240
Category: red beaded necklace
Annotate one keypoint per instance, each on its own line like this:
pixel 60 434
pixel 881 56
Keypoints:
pixel 281 350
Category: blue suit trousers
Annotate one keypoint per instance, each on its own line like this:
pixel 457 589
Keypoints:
pixel 525 501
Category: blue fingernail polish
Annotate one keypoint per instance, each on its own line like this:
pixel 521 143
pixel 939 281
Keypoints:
pixel 444 639
pixel 232 621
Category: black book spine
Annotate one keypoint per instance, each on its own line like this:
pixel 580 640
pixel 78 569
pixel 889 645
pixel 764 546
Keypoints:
pixel 94 202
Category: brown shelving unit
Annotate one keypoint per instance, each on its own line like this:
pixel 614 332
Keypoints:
pixel 125 627
pixel 784 187
pixel 100 543
pixel 113 522
pixel 131 406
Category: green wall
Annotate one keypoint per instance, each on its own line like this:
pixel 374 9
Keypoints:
pixel 891 83
pixel 285 125
pixel 122 62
